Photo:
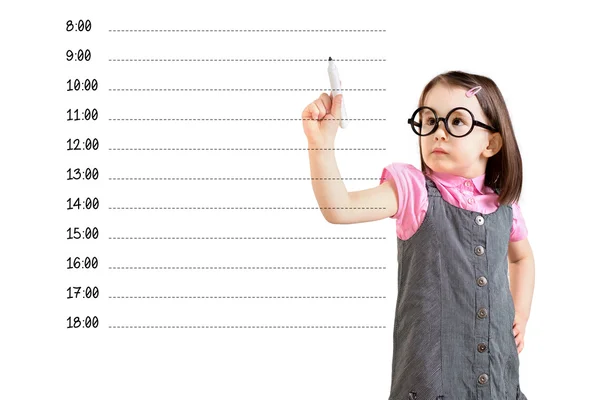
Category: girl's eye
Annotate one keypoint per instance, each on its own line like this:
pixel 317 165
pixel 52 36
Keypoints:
pixel 456 121
pixel 431 121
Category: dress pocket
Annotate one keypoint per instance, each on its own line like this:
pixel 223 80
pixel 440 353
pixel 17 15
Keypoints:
pixel 511 378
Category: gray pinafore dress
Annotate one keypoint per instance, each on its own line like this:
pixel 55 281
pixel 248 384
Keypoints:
pixel 453 336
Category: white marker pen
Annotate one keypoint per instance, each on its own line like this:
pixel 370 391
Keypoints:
pixel 334 80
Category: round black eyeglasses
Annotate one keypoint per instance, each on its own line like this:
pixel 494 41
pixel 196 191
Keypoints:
pixel 459 122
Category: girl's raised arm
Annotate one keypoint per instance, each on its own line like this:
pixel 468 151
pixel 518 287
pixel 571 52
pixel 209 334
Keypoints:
pixel 320 122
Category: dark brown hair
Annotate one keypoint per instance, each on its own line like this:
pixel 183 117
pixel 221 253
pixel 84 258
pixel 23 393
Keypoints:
pixel 504 170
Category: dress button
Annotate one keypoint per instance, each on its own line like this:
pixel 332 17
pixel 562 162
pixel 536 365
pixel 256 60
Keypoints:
pixel 482 313
pixel 481 347
pixel 471 200
pixel 467 183
pixel 479 250
pixel 482 281
pixel 483 379
pixel 479 220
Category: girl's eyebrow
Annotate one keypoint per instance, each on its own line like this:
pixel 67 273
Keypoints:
pixel 436 111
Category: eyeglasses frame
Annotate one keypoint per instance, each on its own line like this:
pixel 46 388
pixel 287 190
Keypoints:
pixel 437 123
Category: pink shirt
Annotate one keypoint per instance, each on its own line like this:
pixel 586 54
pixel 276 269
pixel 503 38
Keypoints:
pixel 469 194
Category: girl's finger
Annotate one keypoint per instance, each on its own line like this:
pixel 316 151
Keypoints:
pixel 519 338
pixel 310 111
pixel 326 99
pixel 520 344
pixel 316 111
pixel 321 108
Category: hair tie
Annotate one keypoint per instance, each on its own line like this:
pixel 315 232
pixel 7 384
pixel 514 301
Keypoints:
pixel 473 91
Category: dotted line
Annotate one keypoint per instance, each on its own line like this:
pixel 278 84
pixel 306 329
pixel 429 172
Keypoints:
pixel 247 267
pixel 247 30
pixel 243 179
pixel 239 326
pixel 244 59
pixel 246 297
pixel 242 90
pixel 242 119
pixel 242 237
pixel 247 208
pixel 241 148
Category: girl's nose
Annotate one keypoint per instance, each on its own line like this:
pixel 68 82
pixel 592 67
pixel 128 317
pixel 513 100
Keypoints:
pixel 440 132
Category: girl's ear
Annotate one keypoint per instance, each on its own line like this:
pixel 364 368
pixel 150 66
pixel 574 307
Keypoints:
pixel 494 144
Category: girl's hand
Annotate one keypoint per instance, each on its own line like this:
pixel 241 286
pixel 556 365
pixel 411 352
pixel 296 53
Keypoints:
pixel 321 118
pixel 519 333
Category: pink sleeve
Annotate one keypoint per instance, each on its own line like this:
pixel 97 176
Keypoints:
pixel 519 229
pixel 412 197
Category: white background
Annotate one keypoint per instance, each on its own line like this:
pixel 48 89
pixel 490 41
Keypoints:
pixel 542 56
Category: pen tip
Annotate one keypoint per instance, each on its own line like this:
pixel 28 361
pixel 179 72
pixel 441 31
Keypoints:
pixel 330 59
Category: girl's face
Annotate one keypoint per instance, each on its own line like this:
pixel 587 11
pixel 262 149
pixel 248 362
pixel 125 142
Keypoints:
pixel 466 156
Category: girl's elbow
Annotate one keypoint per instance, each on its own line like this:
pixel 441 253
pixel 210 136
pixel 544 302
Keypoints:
pixel 331 217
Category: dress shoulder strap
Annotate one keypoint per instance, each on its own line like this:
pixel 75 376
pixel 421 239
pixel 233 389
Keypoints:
pixel 432 189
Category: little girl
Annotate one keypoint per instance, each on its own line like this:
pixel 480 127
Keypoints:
pixel 458 328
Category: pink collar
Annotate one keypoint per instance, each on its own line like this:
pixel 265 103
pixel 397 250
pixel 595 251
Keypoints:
pixel 450 180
